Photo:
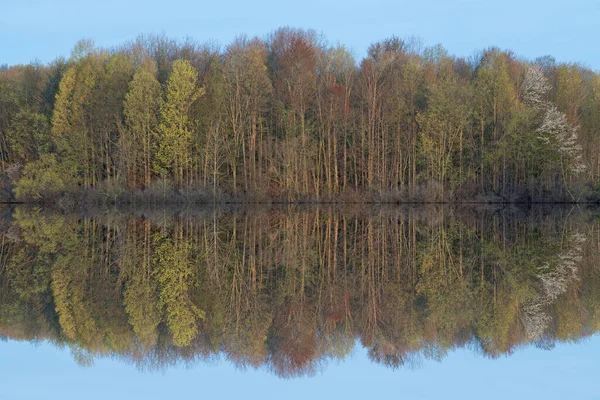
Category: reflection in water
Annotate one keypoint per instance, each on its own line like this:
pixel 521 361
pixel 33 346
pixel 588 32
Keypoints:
pixel 292 288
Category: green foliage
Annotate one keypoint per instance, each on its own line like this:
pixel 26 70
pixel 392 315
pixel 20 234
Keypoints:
pixel 443 126
pixel 175 274
pixel 140 300
pixel 141 108
pixel 70 125
pixel 175 129
pixel 29 136
pixel 44 179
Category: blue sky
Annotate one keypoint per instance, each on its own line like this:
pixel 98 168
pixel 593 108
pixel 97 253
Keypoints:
pixel 567 372
pixel 44 29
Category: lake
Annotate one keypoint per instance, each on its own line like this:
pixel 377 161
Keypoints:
pixel 430 301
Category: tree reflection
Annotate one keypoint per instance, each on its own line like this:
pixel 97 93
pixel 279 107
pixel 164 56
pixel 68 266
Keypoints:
pixel 290 289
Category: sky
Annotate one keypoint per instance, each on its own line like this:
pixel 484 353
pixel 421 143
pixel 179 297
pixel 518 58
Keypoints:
pixel 569 371
pixel 45 29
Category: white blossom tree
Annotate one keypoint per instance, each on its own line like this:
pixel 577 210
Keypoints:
pixel 561 135
pixel 556 133
pixel 554 278
pixel 535 88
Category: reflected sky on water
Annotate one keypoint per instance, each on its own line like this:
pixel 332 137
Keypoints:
pixel 569 371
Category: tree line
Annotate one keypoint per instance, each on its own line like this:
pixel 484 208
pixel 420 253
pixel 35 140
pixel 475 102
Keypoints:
pixel 291 289
pixel 292 117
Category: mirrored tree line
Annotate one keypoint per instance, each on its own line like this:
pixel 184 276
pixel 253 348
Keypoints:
pixel 291 289
pixel 292 117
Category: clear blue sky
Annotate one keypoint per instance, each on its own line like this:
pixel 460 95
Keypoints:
pixel 44 29
pixel 567 372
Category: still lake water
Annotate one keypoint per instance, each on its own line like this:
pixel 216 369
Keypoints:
pixel 267 302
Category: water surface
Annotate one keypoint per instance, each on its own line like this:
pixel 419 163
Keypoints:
pixel 318 293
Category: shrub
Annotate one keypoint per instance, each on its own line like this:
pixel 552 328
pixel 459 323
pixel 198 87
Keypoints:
pixel 43 179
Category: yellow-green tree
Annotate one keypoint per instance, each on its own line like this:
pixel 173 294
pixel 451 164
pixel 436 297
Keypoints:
pixel 175 129
pixel 175 276
pixel 442 127
pixel 142 108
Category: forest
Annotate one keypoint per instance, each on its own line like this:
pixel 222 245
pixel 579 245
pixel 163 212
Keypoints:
pixel 291 289
pixel 293 118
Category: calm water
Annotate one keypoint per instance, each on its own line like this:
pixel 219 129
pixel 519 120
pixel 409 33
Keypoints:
pixel 412 300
